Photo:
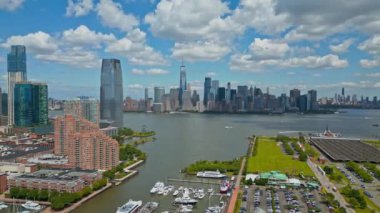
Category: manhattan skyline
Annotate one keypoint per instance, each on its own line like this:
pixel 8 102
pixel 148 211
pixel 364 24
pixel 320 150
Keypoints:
pixel 241 42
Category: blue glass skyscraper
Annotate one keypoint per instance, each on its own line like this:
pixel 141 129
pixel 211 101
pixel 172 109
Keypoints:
pixel 111 92
pixel 16 73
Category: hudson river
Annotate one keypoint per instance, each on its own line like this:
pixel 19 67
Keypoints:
pixel 186 138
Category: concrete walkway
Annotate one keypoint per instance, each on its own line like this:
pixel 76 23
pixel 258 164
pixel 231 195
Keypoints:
pixel 77 204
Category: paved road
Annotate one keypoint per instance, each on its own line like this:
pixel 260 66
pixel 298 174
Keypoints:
pixel 235 193
pixel 328 186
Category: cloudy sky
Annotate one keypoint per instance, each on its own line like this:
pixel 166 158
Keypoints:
pixel 323 45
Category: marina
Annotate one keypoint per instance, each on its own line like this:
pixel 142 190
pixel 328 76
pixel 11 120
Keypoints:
pixel 181 140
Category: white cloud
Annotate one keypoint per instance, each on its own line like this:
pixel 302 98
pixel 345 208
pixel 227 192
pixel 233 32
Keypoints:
pixel 112 15
pixel 268 49
pixel 245 62
pixel 78 8
pixel 342 47
pixel 371 45
pixel 198 51
pixel 210 74
pixel 153 71
pixel 185 20
pixel 76 56
pixel 10 5
pixel 38 42
pixel 291 73
pixel 315 20
pixel 135 49
pixel 370 63
pixel 135 86
pixel 84 36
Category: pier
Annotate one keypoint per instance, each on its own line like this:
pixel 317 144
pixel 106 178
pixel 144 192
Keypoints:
pixel 193 181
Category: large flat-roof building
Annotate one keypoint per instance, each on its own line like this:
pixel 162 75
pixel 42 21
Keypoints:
pixel 55 180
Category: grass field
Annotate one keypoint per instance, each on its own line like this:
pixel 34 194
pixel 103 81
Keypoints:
pixel 270 157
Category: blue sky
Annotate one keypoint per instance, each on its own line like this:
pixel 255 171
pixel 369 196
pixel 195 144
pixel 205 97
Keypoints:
pixel 268 43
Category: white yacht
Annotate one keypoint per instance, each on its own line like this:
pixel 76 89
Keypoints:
pixel 211 174
pixel 130 207
pixel 159 186
pixel 31 205
pixel 3 206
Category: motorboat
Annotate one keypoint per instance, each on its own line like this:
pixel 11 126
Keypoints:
pixel 31 205
pixel 130 207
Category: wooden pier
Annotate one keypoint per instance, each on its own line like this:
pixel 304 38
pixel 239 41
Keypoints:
pixel 193 181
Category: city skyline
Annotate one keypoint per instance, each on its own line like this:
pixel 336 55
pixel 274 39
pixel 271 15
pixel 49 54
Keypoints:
pixel 278 51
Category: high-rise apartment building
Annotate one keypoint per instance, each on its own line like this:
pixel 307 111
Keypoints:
pixel 16 73
pixel 30 104
pixel 85 107
pixel 84 144
pixel 111 92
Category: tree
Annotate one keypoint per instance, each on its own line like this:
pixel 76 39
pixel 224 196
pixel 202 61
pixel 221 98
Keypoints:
pixel 328 170
pixel 303 156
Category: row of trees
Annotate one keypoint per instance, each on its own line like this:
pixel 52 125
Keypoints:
pixel 372 167
pixel 294 141
pixel 302 156
pixel 58 200
pixel 329 199
pixel 225 166
pixel 355 198
pixel 333 174
pixel 354 167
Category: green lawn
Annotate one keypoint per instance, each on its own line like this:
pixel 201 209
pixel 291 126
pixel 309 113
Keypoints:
pixel 270 157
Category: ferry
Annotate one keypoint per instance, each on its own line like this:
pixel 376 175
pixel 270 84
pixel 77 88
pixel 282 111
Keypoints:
pixel 225 186
pixel 31 205
pixel 211 174
pixel 130 207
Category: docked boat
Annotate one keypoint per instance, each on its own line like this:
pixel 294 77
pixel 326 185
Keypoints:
pixel 185 208
pixel 31 205
pixel 3 206
pixel 157 187
pixel 185 199
pixel 130 207
pixel 211 174
pixel 175 193
pixel 149 207
pixel 225 186
pixel 210 190
pixel 214 209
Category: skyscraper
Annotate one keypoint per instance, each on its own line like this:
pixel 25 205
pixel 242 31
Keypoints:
pixel 207 88
pixel 313 100
pixel 228 92
pixel 214 88
pixel 84 107
pixel 146 95
pixel 30 104
pixel 111 92
pixel 182 83
pixel 158 93
pixel 293 97
pixel 16 73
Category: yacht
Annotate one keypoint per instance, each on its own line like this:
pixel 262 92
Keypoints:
pixel 149 207
pixel 185 199
pixel 3 206
pixel 130 207
pixel 31 205
pixel 157 187
pixel 211 174
pixel 175 193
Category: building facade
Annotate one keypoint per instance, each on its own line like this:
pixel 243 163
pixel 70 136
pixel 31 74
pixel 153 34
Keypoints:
pixel 85 107
pixel 85 145
pixel 16 73
pixel 30 104
pixel 111 92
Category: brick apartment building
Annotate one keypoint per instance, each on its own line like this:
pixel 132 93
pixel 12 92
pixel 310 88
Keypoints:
pixel 85 145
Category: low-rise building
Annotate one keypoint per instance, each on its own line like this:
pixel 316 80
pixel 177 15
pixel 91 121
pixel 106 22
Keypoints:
pixel 55 180
pixel 9 167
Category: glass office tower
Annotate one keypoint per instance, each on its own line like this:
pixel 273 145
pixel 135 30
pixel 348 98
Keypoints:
pixel 16 73
pixel 30 104
pixel 111 92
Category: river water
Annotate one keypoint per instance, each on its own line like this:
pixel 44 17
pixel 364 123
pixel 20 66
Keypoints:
pixel 186 138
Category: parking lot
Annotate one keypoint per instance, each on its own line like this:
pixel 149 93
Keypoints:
pixel 371 189
pixel 273 200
